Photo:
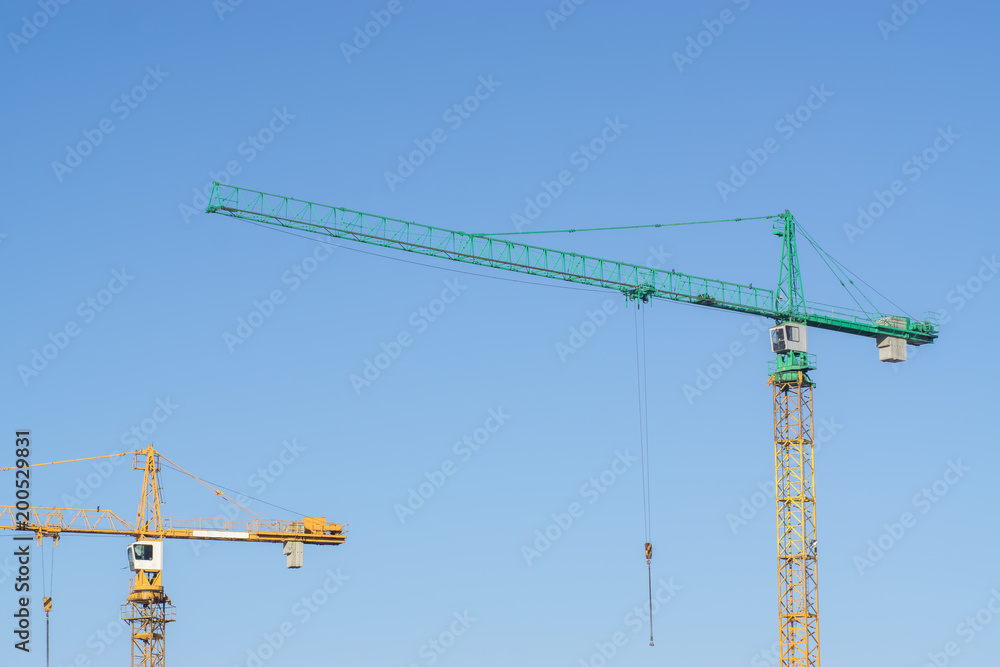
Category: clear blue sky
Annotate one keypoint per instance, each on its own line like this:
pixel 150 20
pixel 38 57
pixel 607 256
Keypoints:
pixel 118 115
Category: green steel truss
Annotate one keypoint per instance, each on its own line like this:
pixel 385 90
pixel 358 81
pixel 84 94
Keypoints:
pixel 789 298
pixel 634 281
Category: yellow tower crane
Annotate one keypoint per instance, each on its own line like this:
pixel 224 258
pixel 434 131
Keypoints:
pixel 147 608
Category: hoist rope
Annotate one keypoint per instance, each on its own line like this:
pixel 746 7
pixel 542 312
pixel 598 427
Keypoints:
pixel 52 567
pixel 47 599
pixel 649 572
pixel 645 419
pixel 643 402
pixel 640 368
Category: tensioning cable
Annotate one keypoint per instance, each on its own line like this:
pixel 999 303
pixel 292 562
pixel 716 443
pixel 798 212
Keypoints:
pixel 824 255
pixel 621 227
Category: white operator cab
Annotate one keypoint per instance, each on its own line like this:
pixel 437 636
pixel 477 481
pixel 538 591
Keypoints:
pixel 145 556
pixel 788 337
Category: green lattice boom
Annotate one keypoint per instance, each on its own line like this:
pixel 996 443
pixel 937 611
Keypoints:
pixel 637 282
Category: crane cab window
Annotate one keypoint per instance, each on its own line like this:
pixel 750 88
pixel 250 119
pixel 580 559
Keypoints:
pixel 788 337
pixel 145 556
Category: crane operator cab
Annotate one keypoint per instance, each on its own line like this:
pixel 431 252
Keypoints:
pixel 788 337
pixel 145 556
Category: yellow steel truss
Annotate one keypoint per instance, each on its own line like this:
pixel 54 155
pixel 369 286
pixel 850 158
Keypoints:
pixel 55 521
pixel 148 610
pixel 795 501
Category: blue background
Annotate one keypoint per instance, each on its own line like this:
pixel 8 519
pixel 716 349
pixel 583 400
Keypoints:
pixel 894 428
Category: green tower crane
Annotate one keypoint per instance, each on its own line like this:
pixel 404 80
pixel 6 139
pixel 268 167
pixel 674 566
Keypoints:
pixel 788 374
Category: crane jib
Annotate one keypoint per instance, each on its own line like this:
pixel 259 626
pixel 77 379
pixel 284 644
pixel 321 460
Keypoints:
pixel 635 281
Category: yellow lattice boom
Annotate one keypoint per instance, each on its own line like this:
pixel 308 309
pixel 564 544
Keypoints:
pixel 54 521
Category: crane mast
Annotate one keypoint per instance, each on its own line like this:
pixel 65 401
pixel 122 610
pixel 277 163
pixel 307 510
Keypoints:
pixel 795 500
pixel 794 471
pixel 147 609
